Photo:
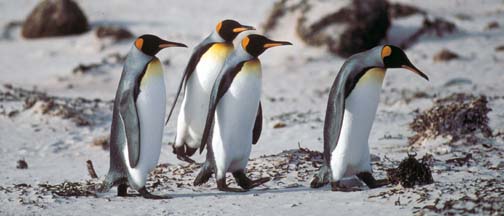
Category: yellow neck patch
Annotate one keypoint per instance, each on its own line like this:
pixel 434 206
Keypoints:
pixel 154 70
pixel 218 51
pixel 251 67
pixel 139 43
pixel 386 51
pixel 372 75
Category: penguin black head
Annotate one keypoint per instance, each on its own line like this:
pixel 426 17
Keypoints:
pixel 394 57
pixel 256 44
pixel 229 29
pixel 151 44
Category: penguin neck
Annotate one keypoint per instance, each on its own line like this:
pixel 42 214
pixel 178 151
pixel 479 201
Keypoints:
pixel 242 54
pixel 215 37
pixel 139 57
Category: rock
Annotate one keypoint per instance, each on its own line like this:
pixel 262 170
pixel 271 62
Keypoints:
pixel 279 125
pixel 492 25
pixel 398 10
pixel 116 33
pixel 445 55
pixel 21 164
pixel 499 48
pixel 344 27
pixel 55 18
pixel 368 26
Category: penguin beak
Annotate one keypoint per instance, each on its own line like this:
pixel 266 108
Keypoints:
pixel 243 28
pixel 411 67
pixel 276 43
pixel 165 44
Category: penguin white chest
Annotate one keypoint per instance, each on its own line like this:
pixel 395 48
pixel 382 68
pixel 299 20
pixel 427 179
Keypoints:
pixel 351 154
pixel 235 119
pixel 151 109
pixel 198 88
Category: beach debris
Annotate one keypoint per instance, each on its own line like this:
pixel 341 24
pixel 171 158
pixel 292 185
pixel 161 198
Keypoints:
pixel 430 26
pixel 102 142
pixel 21 164
pixel 55 18
pixel 70 189
pixel 492 25
pixel 499 48
pixel 399 10
pixel 91 170
pixel 445 55
pixel 81 111
pixel 458 116
pixel 114 32
pixel 111 60
pixel 411 172
pixel 279 125
pixel 346 30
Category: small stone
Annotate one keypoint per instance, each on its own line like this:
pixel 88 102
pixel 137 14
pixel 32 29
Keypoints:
pixel 499 48
pixel 445 55
pixel 492 25
pixel 279 125
pixel 21 164
pixel 116 33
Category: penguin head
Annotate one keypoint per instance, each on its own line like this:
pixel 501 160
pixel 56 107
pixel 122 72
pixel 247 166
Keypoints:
pixel 151 44
pixel 394 57
pixel 256 44
pixel 229 29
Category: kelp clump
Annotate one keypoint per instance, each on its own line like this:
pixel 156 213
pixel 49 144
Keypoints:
pixel 458 116
pixel 411 172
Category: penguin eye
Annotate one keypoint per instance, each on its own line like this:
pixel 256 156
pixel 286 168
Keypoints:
pixel 139 43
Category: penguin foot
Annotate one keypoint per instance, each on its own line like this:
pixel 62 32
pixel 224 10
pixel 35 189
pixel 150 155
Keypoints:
pixel 337 186
pixel 183 152
pixel 317 182
pixel 145 194
pixel 370 181
pixel 246 183
pixel 222 186
pixel 321 178
pixel 122 190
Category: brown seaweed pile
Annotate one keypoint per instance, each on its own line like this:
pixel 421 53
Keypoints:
pixel 81 111
pixel 70 189
pixel 296 165
pixel 411 172
pixel 458 116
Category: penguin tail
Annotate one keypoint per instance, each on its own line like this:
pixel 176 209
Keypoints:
pixel 204 174
pixel 322 178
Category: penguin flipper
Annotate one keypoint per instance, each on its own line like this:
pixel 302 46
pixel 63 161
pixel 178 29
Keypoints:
pixel 220 87
pixel 129 116
pixel 334 118
pixel 191 66
pixel 256 132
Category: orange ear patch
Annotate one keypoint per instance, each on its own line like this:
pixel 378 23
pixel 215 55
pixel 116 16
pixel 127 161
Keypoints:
pixel 139 43
pixel 245 42
pixel 219 26
pixel 386 51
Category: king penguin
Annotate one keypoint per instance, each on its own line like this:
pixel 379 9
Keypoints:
pixel 204 65
pixel 350 113
pixel 137 119
pixel 234 115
